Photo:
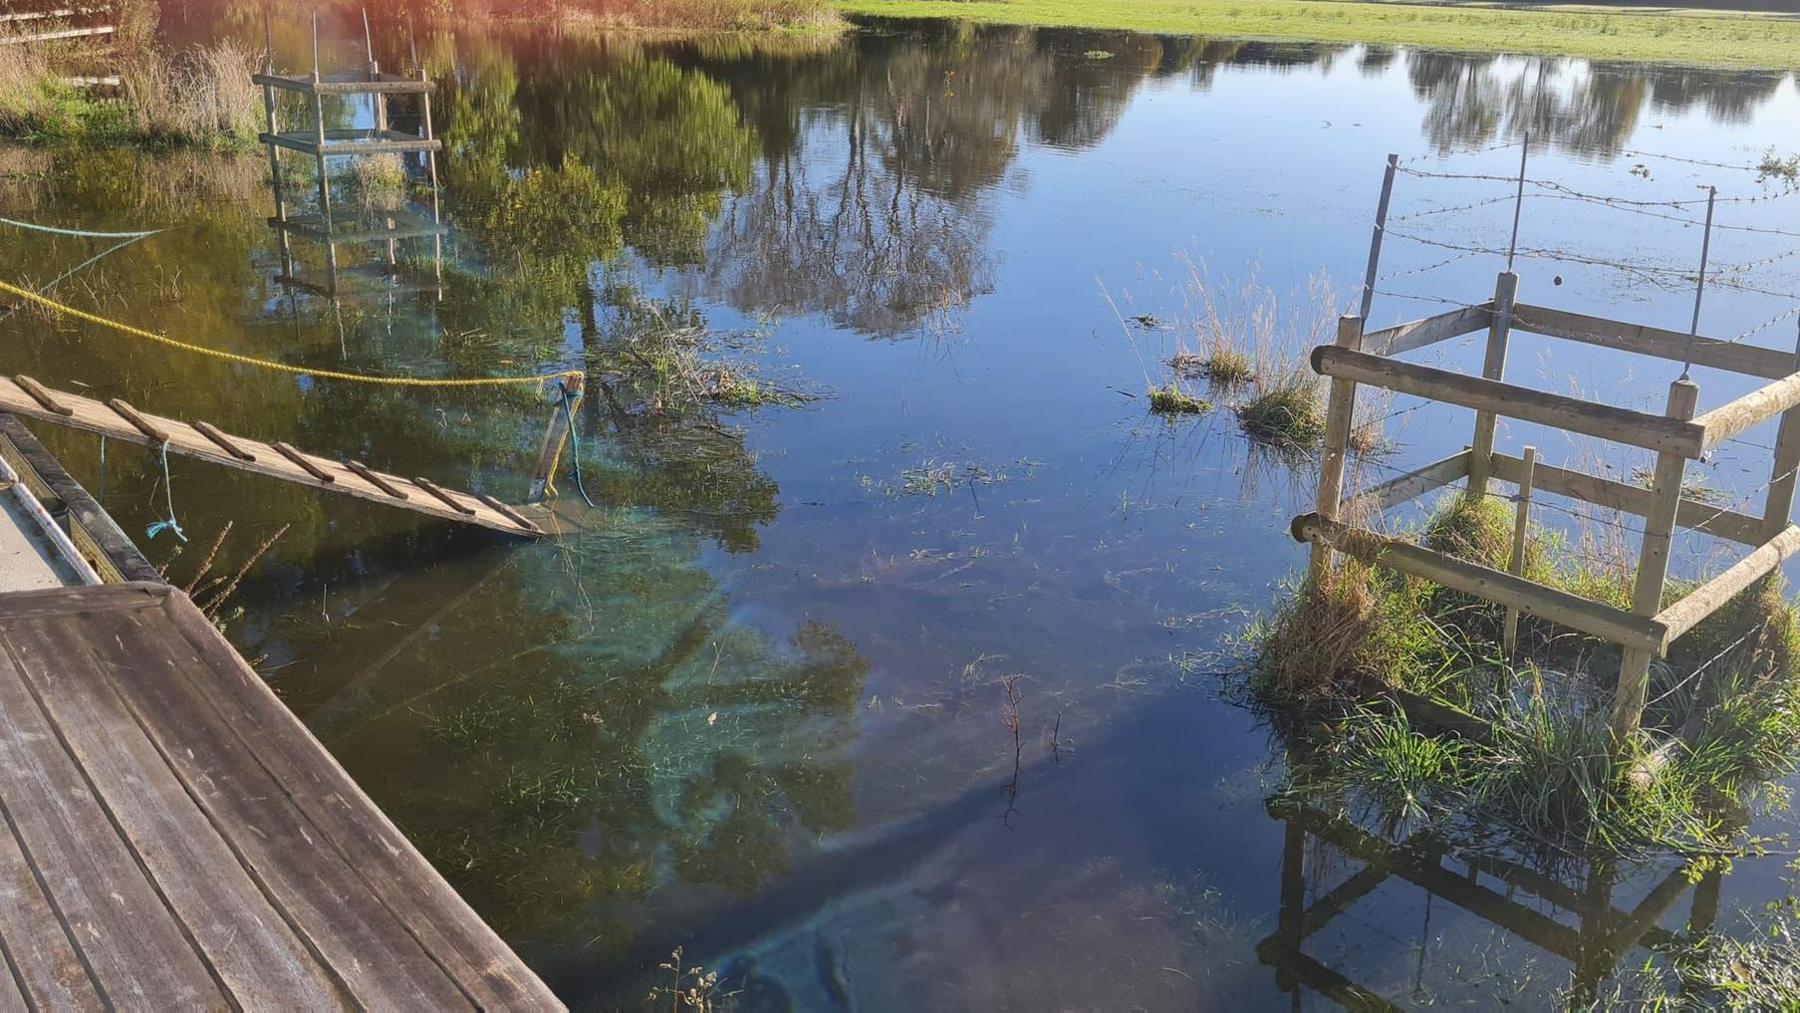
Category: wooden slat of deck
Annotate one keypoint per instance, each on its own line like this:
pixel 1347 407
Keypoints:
pixel 441 920
pixel 37 945
pixel 248 943
pixel 129 936
pixel 325 895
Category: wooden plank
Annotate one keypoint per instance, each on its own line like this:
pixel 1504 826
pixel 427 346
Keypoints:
pixel 431 488
pixel 304 463
pixel 1417 334
pixel 343 84
pixel 1751 410
pixel 131 940
pixel 322 892
pixel 1622 425
pixel 1694 514
pixel 1570 610
pixel 109 550
pixel 395 871
pixel 42 396
pixel 1339 412
pixel 1381 498
pixel 143 425
pixel 225 443
pixel 1653 566
pixel 1685 614
pixel 352 142
pixel 366 474
pixel 92 416
pixel 61 33
pixel 556 435
pixel 1734 357
pixel 1521 526
pixel 37 944
pixel 1493 367
pixel 250 947
pixel 1778 505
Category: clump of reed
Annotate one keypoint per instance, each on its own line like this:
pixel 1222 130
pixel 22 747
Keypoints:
pixel 1170 399
pixel 202 96
pixel 381 181
pixel 1254 341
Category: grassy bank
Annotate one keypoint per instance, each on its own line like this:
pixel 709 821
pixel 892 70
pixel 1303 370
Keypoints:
pixel 1596 32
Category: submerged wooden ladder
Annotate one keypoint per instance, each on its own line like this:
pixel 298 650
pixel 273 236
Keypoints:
pixel 115 419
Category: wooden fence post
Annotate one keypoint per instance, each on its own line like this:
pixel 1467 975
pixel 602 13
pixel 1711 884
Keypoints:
pixel 1653 565
pixel 1510 637
pixel 1339 413
pixel 1493 367
pixel 1780 504
pixel 556 435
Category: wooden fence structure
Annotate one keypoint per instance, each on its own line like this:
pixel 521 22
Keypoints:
pixel 1679 435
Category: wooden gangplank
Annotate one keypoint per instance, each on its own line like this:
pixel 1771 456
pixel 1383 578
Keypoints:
pixel 118 420
pixel 176 839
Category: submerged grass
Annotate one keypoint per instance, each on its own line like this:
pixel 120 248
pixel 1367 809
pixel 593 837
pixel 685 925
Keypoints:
pixel 1170 399
pixel 1598 31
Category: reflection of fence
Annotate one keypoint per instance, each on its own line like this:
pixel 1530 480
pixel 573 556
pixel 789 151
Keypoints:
pixel 1603 936
pixel 1677 436
pixel 78 25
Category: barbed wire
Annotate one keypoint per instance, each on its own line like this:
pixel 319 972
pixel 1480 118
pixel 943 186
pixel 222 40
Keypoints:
pixel 1428 212
pixel 1446 262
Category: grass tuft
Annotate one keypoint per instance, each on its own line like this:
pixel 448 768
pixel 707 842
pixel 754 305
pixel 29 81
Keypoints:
pixel 1170 399
pixel 1288 411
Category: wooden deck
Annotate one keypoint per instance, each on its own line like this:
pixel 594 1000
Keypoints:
pixel 174 838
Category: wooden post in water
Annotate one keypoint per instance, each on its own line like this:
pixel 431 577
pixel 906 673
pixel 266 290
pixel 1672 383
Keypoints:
pixel 1510 636
pixel 556 435
pixel 1339 413
pixel 1381 213
pixel 1493 367
pixel 1780 504
pixel 1653 565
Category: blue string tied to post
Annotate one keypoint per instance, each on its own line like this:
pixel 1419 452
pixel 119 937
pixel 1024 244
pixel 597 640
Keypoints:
pixel 568 401
pixel 169 495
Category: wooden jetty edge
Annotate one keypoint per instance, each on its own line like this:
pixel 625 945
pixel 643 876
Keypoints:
pixel 120 421
pixel 174 838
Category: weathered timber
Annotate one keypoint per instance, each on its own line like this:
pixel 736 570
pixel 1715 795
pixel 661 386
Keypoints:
pixel 41 396
pixel 1417 334
pixel 1621 425
pixel 93 416
pixel 1516 565
pixel 1339 412
pixel 345 84
pixel 1753 409
pixel 1653 567
pixel 352 142
pixel 363 471
pixel 303 462
pixel 1605 492
pixel 556 436
pixel 225 443
pixel 1733 357
pixel 1569 610
pixel 1404 488
pixel 1685 614
pixel 179 840
pixel 156 433
pixel 1493 367
pixel 61 33
pixel 1778 506
pixel 427 485
pixel 98 538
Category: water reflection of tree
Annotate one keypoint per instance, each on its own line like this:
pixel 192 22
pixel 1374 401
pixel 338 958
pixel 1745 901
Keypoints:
pixel 1590 108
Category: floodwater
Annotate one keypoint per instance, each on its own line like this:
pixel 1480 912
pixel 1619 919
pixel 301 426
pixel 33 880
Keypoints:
pixel 912 696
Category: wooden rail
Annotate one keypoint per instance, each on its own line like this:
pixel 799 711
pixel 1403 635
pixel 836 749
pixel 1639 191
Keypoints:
pixel 198 440
pixel 1621 425
pixel 1678 435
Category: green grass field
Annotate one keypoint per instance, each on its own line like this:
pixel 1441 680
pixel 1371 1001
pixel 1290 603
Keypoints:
pixel 1716 39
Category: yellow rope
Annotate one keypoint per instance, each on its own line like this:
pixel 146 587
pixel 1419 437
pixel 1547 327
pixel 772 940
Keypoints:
pixel 282 367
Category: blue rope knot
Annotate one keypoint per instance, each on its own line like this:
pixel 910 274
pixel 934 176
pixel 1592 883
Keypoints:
pixel 169 495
